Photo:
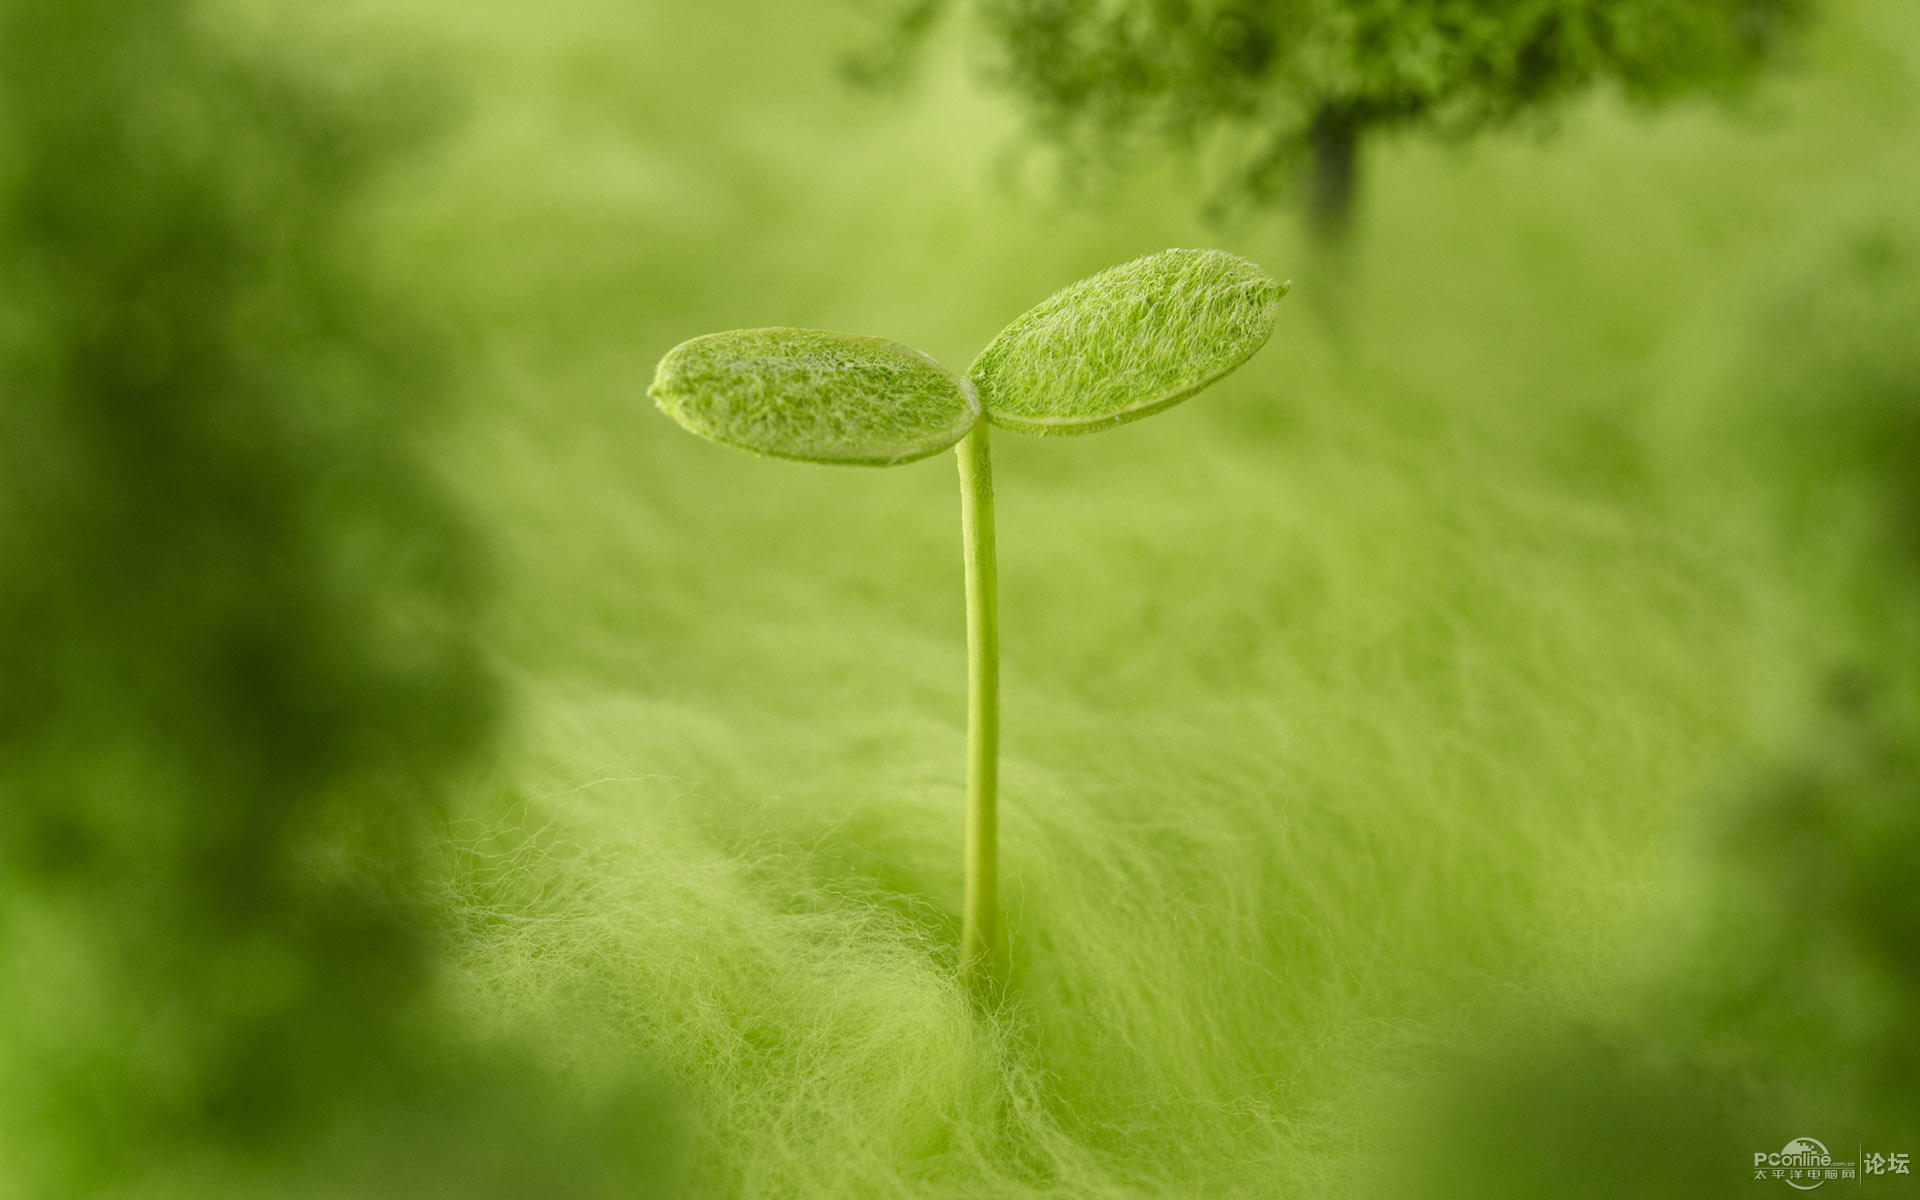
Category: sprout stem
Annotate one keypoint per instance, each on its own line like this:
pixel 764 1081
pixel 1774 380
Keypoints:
pixel 981 903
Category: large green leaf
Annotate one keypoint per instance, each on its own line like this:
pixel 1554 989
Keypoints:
pixel 814 395
pixel 1127 342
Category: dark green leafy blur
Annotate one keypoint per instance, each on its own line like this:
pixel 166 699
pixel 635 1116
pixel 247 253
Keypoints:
pixel 238 657
pixel 1473 750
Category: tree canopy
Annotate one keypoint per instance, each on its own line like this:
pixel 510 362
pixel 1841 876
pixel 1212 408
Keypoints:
pixel 1289 83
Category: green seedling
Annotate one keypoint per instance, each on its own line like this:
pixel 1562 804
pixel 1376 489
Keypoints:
pixel 1112 348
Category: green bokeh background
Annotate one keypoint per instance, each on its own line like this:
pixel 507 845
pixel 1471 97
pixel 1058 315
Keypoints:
pixel 1472 751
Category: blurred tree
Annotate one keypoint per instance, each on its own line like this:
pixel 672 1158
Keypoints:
pixel 1287 82
pixel 235 662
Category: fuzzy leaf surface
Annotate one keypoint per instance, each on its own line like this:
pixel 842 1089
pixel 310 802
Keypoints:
pixel 814 395
pixel 1127 342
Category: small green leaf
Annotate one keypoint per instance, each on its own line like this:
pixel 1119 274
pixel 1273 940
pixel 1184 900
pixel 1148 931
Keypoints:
pixel 1127 342
pixel 814 395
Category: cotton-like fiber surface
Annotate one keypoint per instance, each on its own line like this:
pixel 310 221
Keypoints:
pixel 1127 342
pixel 814 395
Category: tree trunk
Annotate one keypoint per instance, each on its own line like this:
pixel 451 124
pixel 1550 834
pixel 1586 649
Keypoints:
pixel 1334 137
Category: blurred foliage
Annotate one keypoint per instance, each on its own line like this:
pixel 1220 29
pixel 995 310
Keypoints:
pixel 1791 1013
pixel 1813 947
pixel 1279 84
pixel 1789 1001
pixel 1833 369
pixel 235 645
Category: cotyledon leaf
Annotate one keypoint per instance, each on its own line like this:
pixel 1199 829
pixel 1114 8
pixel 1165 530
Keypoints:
pixel 1127 342
pixel 814 395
